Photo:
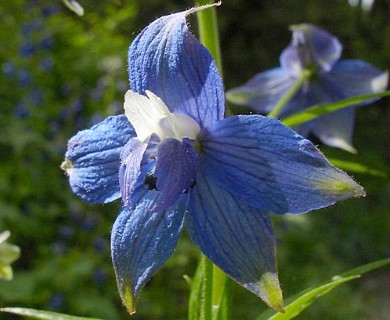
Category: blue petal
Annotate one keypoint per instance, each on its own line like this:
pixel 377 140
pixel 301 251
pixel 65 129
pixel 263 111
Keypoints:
pixel 93 158
pixel 237 238
pixel 356 77
pixel 311 47
pixel 168 60
pixel 141 242
pixel 271 167
pixel 335 129
pixel 175 170
pixel 320 90
pixel 130 169
pixel 262 91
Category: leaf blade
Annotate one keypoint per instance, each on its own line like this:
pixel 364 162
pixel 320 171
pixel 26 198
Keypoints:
pixel 294 305
pixel 42 315
pixel 321 109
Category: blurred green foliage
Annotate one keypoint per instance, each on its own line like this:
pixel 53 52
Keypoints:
pixel 61 73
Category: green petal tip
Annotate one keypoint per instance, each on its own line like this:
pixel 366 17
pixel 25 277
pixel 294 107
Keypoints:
pixel 128 299
pixel 271 291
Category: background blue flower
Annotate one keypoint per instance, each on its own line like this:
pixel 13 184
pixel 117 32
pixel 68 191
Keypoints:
pixel 332 79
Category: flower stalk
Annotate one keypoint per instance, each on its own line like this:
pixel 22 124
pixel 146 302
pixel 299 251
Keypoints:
pixel 215 285
pixel 305 75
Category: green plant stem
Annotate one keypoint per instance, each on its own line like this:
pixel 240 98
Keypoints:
pixel 207 289
pixel 209 37
pixel 208 31
pixel 289 94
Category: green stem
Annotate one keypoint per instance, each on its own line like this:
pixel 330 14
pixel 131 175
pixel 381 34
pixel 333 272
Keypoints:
pixel 207 289
pixel 289 94
pixel 221 295
pixel 208 31
pixel 209 37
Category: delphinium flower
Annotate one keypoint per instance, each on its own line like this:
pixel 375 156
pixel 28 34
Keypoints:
pixel 316 52
pixel 174 158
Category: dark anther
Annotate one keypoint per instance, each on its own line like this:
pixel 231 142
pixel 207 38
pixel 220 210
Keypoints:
pixel 150 181
pixel 192 185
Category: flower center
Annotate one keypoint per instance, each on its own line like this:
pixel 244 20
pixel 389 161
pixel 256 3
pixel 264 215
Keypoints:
pixel 149 114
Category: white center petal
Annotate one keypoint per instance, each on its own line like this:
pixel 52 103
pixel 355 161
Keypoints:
pixel 379 83
pixel 149 114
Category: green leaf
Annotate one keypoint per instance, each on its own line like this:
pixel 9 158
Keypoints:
pixel 357 168
pixel 296 304
pixel 221 295
pixel 321 109
pixel 42 315
pixel 195 294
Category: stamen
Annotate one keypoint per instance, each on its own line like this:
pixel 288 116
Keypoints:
pixel 150 181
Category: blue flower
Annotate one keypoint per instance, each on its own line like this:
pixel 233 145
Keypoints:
pixel 174 158
pixel 332 79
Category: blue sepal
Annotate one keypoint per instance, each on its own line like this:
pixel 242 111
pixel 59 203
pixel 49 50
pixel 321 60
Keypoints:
pixel 141 242
pixel 175 171
pixel 166 59
pixel 262 91
pixel 356 77
pixel 237 238
pixel 336 129
pixel 130 169
pixel 93 159
pixel 271 167
pixel 311 48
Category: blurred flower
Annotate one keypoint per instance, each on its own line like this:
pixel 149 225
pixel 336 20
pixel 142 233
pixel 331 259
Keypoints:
pixel 100 244
pixel 24 77
pixel 96 118
pixel 46 64
pixel 58 248
pixel 21 110
pixel 115 107
pixel 27 28
pixel 47 42
pixel 66 232
pixel 49 10
pixel 36 97
pixel 332 79
pixel 97 93
pixel 173 157
pixel 8 68
pixel 56 301
pixel 30 27
pixel 8 254
pixel 100 276
pixel 27 49
pixel 90 223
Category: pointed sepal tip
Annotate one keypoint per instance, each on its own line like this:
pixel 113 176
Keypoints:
pixel 271 291
pixel 128 299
